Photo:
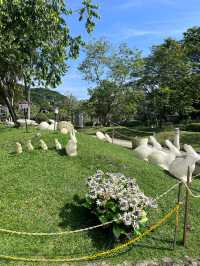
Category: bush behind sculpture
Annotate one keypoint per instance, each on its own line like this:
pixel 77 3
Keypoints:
pixel 193 127
pixel 40 117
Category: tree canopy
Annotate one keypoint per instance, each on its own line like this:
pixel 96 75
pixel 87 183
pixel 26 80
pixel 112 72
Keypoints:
pixel 36 42
pixel 111 70
pixel 161 86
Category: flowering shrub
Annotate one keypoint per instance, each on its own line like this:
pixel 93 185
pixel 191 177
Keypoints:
pixel 115 197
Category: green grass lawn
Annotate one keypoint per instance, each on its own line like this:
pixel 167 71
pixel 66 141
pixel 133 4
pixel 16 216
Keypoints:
pixel 40 192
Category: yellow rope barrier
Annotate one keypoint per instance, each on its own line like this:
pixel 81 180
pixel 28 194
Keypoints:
pixel 108 252
pixel 13 232
pixel 133 130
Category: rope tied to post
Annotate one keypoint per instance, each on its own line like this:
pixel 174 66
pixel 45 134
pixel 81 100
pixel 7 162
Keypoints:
pixel 106 253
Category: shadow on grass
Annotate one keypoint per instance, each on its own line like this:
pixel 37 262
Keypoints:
pixel 61 152
pixel 75 216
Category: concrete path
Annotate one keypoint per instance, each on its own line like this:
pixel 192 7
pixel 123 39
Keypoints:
pixel 123 143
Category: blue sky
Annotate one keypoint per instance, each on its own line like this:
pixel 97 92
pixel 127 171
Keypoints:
pixel 140 23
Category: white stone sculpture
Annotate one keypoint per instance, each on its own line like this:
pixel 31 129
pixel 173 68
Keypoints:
pixel 179 167
pixel 64 131
pixel 71 148
pixel 29 145
pixel 43 126
pixel 108 138
pixel 43 145
pixel 34 123
pixel 58 145
pixel 190 150
pixel 64 124
pixel 51 121
pixel 73 135
pixel 155 143
pixel 18 148
pixel 143 150
pixel 172 148
pixel 52 127
pixel 10 123
pixel 177 138
pixel 164 158
pixel 100 135
pixel 22 122
pixel 160 158
pixel 29 122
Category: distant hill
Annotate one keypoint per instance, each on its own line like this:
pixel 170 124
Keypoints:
pixel 46 97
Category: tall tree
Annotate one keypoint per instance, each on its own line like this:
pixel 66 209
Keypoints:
pixel 125 65
pixel 102 101
pixel 112 70
pixel 94 67
pixel 191 42
pixel 36 42
pixel 166 72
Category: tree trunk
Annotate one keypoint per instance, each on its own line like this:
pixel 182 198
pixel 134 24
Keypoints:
pixel 28 98
pixel 29 103
pixel 10 107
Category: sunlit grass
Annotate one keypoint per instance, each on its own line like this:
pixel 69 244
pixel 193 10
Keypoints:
pixel 40 192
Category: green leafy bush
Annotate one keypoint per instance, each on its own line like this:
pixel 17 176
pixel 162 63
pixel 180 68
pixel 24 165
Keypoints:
pixel 193 127
pixel 40 117
pixel 117 198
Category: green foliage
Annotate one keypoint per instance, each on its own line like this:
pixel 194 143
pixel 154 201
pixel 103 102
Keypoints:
pixel 102 100
pixel 113 70
pixel 125 64
pixel 36 42
pixel 95 65
pixel 193 127
pixel 168 79
pixel 40 117
pixel 40 96
pixel 191 43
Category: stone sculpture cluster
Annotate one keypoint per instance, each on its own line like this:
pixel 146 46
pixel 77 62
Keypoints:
pixel 51 126
pixel 104 137
pixel 172 159
pixel 63 126
pixel 71 146
pixel 22 122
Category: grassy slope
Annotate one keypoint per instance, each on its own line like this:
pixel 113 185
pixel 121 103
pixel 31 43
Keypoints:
pixel 37 191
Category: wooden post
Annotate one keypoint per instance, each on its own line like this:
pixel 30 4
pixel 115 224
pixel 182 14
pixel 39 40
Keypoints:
pixel 25 117
pixel 133 144
pixel 176 225
pixel 186 216
pixel 113 135
pixel 55 121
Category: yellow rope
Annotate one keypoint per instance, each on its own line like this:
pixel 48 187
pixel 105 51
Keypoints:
pixel 177 217
pixel 190 191
pixel 14 232
pixel 53 234
pixel 108 252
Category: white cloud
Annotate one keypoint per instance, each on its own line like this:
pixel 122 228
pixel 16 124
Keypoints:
pixel 128 33
pixel 141 3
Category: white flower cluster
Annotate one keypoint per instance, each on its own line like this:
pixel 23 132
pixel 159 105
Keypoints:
pixel 124 192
